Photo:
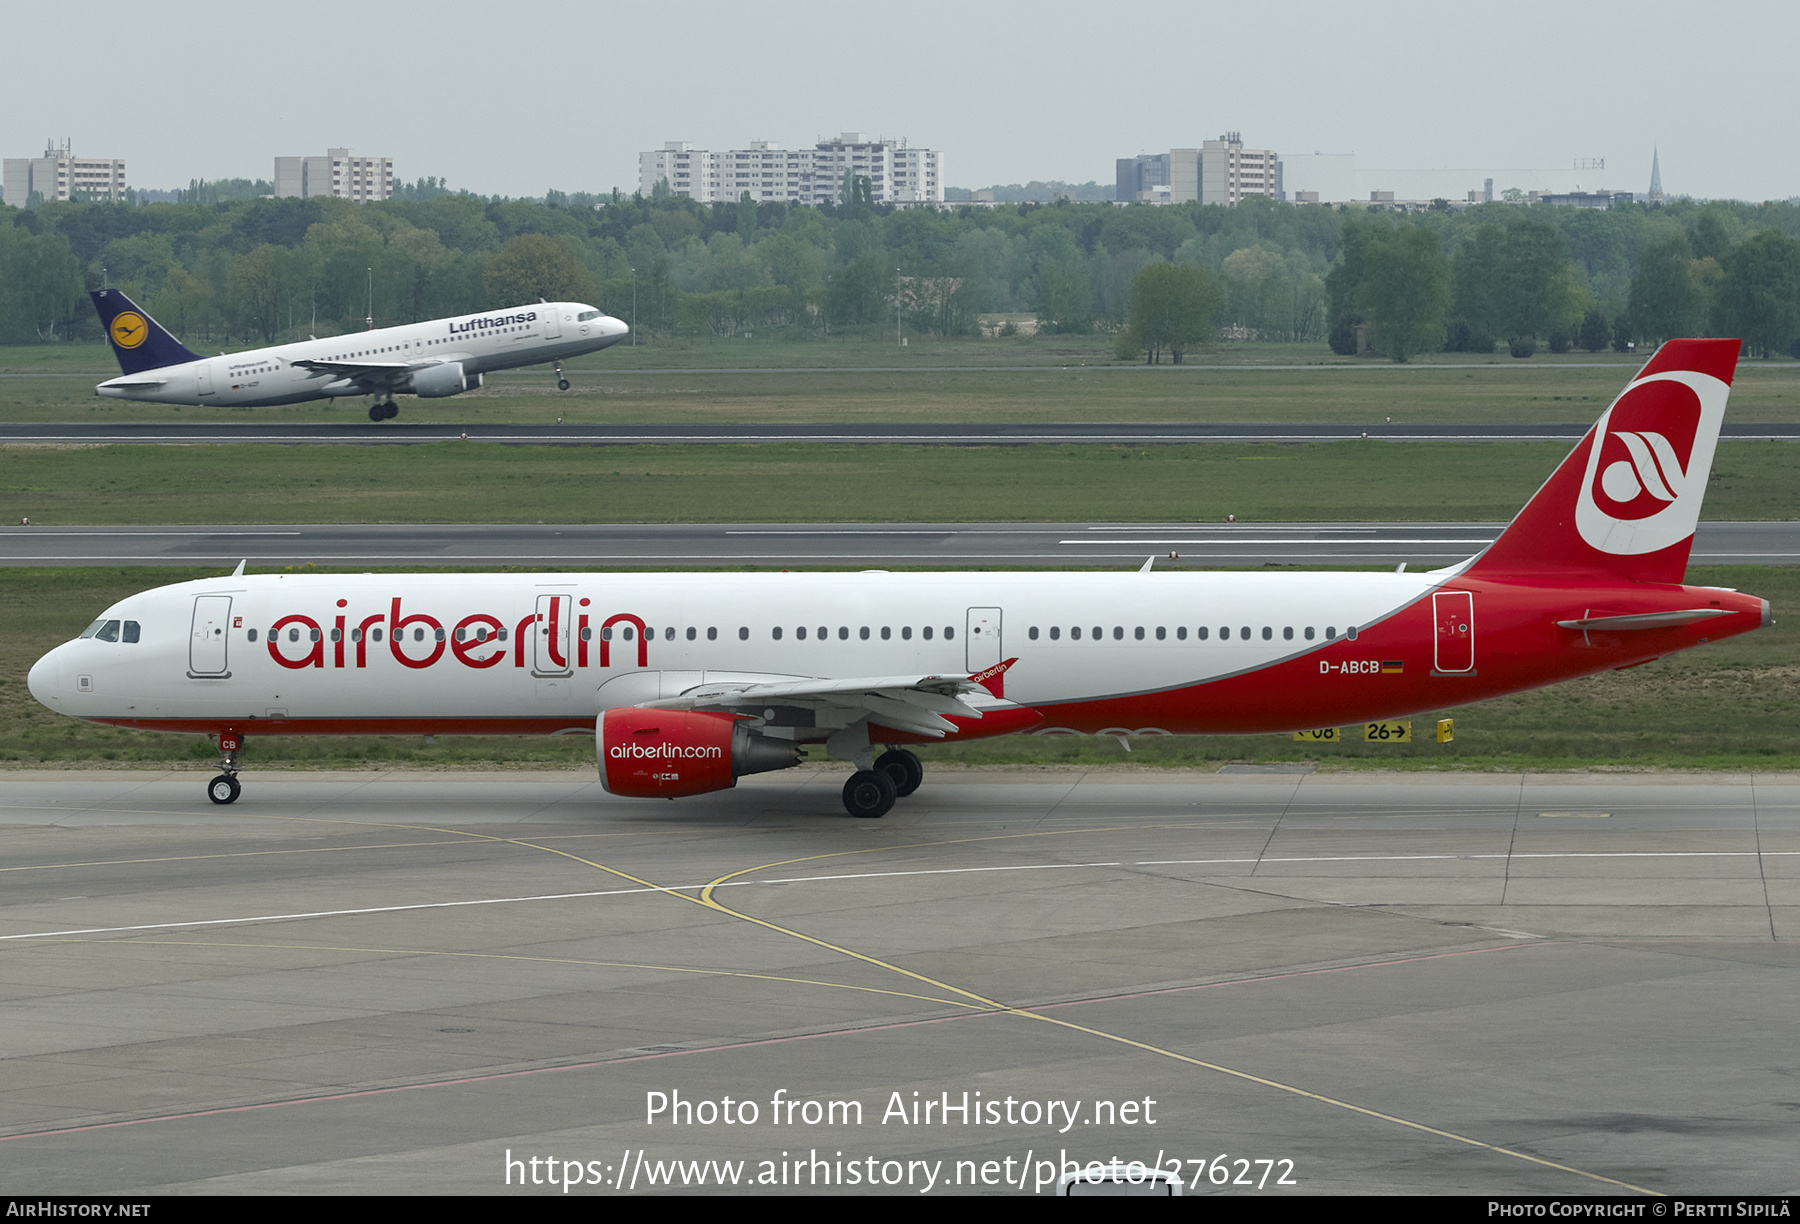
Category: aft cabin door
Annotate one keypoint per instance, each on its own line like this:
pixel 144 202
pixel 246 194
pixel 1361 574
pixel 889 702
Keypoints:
pixel 210 637
pixel 1454 614
pixel 204 373
pixel 982 643
pixel 550 655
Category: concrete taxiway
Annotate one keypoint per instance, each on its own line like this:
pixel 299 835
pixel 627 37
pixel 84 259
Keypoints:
pixel 431 982
pixel 844 545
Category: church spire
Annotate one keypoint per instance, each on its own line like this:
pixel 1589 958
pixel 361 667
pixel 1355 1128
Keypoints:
pixel 1656 191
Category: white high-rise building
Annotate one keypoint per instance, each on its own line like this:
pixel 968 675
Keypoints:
pixel 1229 171
pixel 896 173
pixel 338 173
pixel 60 175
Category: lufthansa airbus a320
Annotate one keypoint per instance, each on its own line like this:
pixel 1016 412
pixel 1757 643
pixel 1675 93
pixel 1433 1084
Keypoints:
pixel 430 360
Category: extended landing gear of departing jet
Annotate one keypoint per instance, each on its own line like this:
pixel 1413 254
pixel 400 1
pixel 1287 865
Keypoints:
pixel 383 410
pixel 562 384
pixel 225 788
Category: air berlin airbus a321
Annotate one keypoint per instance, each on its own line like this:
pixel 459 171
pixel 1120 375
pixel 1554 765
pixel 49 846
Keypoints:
pixel 690 681
pixel 430 360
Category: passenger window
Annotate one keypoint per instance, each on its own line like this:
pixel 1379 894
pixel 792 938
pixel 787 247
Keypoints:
pixel 1245 633
pixel 1268 633
pixel 587 634
pixel 649 633
pixel 692 633
pixel 824 633
pixel 1032 633
pixel 949 633
pixel 1074 633
pixel 863 633
pixel 1118 633
pixel 337 635
pixel 294 634
pixel 1309 633
pixel 844 633
pixel 500 636
pixel 1097 633
pixel 1055 632
pixel 312 635
pixel 926 633
pixel 131 631
pixel 800 633
pixel 906 633
pixel 744 633
pixel 1330 632
pixel 376 634
pixel 1161 633
pixel 627 633
pixel 1181 633
pixel 252 635
pixel 777 632
pixel 886 633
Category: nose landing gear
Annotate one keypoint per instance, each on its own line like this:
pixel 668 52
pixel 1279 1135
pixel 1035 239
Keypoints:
pixel 225 788
pixel 562 384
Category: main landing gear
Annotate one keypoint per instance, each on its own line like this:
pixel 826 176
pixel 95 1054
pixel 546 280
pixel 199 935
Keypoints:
pixel 562 384
pixel 383 410
pixel 871 792
pixel 224 788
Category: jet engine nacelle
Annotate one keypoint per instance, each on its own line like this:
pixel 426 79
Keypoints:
pixel 664 754
pixel 435 382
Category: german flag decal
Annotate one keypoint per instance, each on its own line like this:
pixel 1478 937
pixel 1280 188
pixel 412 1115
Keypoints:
pixel 1392 667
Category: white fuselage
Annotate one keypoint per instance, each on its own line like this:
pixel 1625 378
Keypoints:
pixel 386 358
pixel 539 652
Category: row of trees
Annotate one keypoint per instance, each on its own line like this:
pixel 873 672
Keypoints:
pixel 1408 287
pixel 265 269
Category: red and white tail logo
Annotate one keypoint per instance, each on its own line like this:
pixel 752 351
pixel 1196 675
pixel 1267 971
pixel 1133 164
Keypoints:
pixel 1647 469
pixel 1636 481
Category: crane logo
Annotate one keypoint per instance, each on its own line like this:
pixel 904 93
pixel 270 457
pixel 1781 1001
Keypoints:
pixel 128 329
pixel 1648 463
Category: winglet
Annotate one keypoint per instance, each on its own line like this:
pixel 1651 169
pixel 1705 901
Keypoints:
pixel 239 571
pixel 1148 562
pixel 993 679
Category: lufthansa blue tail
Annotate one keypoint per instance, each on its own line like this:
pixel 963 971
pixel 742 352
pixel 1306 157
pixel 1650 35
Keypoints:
pixel 139 342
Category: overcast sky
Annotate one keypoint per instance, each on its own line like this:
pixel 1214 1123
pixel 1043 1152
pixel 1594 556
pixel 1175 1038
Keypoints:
pixel 511 99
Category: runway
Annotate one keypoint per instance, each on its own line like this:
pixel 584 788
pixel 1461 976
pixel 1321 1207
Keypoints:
pixel 432 983
pixel 845 545
pixel 393 433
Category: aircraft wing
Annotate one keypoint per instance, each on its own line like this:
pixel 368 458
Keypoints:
pixel 362 371
pixel 906 703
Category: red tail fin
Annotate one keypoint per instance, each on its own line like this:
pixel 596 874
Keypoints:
pixel 1625 502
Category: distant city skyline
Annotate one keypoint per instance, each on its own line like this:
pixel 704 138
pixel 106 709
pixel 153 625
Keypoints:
pixel 1428 101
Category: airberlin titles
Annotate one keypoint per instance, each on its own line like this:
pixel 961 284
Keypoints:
pixel 483 323
pixel 479 640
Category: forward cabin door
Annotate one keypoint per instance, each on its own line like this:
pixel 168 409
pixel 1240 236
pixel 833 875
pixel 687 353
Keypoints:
pixel 981 641
pixel 551 317
pixel 1453 612
pixel 210 636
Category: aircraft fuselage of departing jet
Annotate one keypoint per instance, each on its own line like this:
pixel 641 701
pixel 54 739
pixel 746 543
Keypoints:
pixel 434 359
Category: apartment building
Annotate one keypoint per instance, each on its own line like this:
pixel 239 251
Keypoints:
pixel 896 172
pixel 60 175
pixel 339 173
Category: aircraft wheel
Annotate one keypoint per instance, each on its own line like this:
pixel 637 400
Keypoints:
pixel 562 384
pixel 391 411
pixel 223 789
pixel 376 413
pixel 904 768
pixel 869 793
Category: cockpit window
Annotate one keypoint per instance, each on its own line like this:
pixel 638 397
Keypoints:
pixel 109 632
pixel 91 630
pixel 131 631
pixel 585 315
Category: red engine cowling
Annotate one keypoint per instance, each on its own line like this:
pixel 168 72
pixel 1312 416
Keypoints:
pixel 665 754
